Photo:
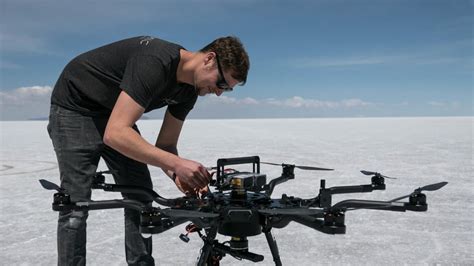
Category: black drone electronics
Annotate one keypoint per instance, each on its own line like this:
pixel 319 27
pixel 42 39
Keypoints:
pixel 241 206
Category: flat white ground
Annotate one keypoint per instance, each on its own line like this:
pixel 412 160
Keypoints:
pixel 419 151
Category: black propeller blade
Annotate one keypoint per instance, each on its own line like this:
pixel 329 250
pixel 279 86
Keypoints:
pixel 291 211
pixel 376 174
pixel 431 187
pixel 187 213
pixel 301 166
pixel 50 185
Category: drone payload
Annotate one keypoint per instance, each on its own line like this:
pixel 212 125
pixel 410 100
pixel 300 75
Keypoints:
pixel 241 206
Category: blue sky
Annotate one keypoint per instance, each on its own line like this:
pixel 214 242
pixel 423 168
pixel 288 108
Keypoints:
pixel 308 58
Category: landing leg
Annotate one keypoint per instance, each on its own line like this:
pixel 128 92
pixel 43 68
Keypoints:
pixel 273 247
pixel 207 248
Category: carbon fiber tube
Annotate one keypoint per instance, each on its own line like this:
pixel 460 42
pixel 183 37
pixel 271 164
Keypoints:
pixel 369 204
pixel 110 204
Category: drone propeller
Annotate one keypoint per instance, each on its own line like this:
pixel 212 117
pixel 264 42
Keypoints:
pixel 376 174
pixel 187 213
pixel 50 185
pixel 291 211
pixel 301 167
pixel 431 187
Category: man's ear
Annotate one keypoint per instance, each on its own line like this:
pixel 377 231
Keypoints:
pixel 209 57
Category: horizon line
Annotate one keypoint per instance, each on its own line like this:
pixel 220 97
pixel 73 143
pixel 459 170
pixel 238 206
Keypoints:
pixel 267 118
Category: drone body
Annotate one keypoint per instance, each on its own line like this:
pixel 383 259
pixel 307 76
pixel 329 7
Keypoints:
pixel 241 206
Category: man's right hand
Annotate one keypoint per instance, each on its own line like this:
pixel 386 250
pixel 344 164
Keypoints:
pixel 190 191
pixel 192 174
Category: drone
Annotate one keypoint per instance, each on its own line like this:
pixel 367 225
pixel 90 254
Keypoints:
pixel 241 206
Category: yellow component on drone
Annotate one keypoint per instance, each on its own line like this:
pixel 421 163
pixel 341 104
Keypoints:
pixel 236 182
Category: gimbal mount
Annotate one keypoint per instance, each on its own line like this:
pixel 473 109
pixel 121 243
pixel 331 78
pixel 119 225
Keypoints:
pixel 241 206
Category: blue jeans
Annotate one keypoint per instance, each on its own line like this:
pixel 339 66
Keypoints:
pixel 77 141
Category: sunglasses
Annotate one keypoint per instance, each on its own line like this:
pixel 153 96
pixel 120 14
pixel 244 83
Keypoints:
pixel 221 82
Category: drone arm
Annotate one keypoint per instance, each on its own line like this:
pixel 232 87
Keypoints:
pixel 63 203
pixel 352 189
pixel 332 221
pixel 369 204
pixel 416 203
pixel 321 225
pixel 110 204
pixel 269 188
pixel 325 194
pixel 137 190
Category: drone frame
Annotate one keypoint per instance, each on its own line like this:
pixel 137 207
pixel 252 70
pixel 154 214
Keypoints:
pixel 244 213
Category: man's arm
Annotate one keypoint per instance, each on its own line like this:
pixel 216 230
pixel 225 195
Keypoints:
pixel 167 139
pixel 120 136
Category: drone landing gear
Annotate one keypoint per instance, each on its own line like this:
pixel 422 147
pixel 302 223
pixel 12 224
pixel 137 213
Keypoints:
pixel 213 251
pixel 273 247
pixel 207 249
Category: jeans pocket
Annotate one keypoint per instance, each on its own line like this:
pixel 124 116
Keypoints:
pixel 69 129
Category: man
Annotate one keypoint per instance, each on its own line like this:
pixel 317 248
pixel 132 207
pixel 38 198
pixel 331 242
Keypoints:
pixel 94 107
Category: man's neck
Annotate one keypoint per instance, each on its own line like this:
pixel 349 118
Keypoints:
pixel 186 67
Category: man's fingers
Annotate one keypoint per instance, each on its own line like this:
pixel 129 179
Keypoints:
pixel 186 183
pixel 204 190
pixel 197 178
pixel 203 176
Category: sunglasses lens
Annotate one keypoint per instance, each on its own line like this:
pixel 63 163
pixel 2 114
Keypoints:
pixel 222 83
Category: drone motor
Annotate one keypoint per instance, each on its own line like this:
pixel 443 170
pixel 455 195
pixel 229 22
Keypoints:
pixel 417 202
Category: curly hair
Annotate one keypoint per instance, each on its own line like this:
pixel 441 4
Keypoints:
pixel 232 56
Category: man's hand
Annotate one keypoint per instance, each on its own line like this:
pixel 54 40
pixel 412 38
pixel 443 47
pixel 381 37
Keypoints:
pixel 191 175
pixel 190 191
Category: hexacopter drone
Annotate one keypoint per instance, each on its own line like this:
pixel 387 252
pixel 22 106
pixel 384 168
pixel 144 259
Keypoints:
pixel 241 206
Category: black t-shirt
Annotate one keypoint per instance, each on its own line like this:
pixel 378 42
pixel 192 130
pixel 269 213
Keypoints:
pixel 144 67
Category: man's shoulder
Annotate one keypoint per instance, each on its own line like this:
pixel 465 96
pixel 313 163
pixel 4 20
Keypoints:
pixel 164 50
pixel 126 49
pixel 151 40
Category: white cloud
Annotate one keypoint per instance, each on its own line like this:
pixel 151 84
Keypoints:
pixel 26 95
pixel 34 91
pixel 25 103
pixel 300 102
pixel 293 102
pixel 354 103
pixel 34 101
pixel 214 99
pixel 249 100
